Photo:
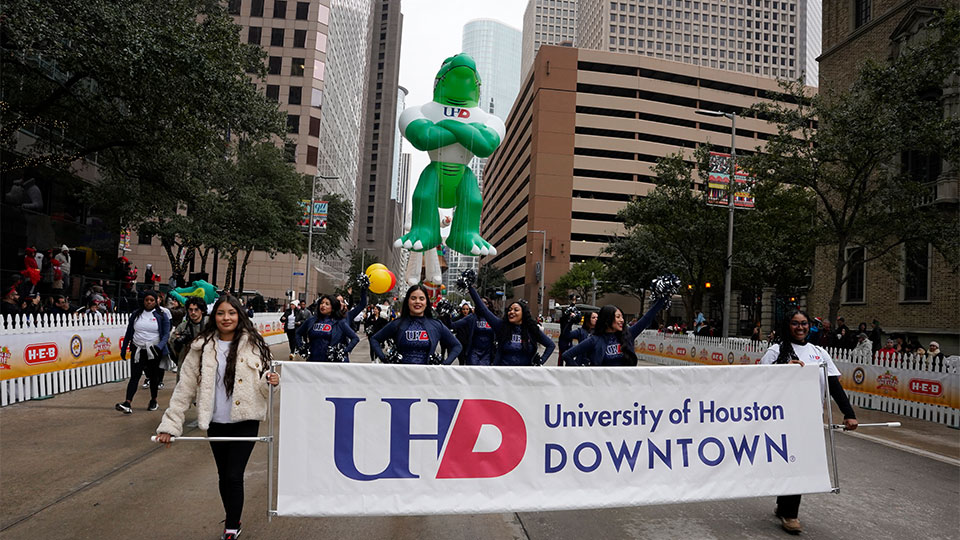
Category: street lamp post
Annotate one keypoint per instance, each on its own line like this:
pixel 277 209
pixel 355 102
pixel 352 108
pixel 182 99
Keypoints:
pixel 313 197
pixel 728 274
pixel 543 269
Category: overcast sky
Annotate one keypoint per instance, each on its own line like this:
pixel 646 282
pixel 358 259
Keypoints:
pixel 432 31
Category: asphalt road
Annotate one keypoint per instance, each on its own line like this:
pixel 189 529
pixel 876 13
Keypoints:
pixel 72 467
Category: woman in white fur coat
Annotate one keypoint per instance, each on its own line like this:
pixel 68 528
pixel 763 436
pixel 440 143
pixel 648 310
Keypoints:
pixel 227 373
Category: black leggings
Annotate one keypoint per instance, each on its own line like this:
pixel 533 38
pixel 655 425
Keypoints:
pixel 292 340
pixel 150 368
pixel 231 458
pixel 788 506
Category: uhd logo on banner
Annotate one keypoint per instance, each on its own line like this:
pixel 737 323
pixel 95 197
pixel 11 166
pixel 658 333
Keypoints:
pixel 457 460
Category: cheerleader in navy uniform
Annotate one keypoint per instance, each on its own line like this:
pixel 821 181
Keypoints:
pixel 328 333
pixel 517 335
pixel 568 336
pixel 416 333
pixel 612 342
pixel 478 336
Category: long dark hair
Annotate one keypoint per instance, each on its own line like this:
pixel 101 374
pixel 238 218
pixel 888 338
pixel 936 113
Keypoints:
pixel 528 327
pixel 336 308
pixel 605 318
pixel 785 339
pixel 405 308
pixel 244 327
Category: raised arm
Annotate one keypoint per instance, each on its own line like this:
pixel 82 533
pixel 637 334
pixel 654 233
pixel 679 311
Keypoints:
pixel 387 332
pixel 464 322
pixel 647 318
pixel 352 314
pixel 483 311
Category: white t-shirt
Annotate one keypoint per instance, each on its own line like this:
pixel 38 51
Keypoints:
pixel 809 354
pixel 146 331
pixel 221 401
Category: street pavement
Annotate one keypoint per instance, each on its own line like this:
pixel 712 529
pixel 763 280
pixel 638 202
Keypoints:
pixel 72 467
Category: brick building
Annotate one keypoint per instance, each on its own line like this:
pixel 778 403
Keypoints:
pixel 920 296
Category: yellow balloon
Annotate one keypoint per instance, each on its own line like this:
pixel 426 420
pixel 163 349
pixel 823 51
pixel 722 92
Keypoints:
pixel 374 266
pixel 380 281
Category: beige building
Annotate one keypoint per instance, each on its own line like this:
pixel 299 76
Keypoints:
pixel 582 140
pixel 921 295
pixel 768 40
pixel 546 22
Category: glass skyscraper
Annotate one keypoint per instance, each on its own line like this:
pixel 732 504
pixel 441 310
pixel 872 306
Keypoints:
pixel 496 49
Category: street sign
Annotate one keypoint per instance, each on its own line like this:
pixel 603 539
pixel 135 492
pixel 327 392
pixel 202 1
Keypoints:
pixel 498 293
pixel 298 273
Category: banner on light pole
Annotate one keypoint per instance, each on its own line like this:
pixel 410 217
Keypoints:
pixel 718 184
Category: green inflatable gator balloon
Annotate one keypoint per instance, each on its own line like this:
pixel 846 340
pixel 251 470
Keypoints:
pixel 452 129
pixel 200 289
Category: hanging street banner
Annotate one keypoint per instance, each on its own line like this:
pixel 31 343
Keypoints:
pixel 718 181
pixel 319 214
pixel 375 439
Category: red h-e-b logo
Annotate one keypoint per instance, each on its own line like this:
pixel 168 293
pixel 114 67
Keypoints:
pixel 926 387
pixel 40 353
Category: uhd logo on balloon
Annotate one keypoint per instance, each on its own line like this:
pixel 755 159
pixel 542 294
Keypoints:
pixel 457 459
pixel 456 112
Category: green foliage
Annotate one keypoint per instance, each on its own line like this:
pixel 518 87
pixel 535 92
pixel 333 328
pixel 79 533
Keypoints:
pixel 851 162
pixel 490 280
pixel 329 242
pixel 580 280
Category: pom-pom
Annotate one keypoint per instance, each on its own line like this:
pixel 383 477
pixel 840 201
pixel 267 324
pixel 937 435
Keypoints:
pixel 434 360
pixel 537 360
pixel 304 351
pixel 466 279
pixel 337 353
pixel 664 287
pixel 363 281
pixel 445 308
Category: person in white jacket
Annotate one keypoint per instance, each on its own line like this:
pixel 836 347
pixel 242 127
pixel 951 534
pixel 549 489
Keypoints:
pixel 227 373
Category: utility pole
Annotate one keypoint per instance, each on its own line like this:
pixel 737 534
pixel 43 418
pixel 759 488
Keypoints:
pixel 593 294
pixel 313 197
pixel 543 270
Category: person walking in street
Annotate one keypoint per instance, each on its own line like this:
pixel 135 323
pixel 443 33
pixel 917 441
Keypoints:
pixel 791 347
pixel 289 322
pixel 146 339
pixel 612 344
pixel 188 329
pixel 327 331
pixel 375 323
pixel 227 373
pixel 517 334
pixel 416 333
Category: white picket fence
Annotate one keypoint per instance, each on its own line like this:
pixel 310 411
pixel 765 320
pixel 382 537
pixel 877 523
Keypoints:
pixel 844 358
pixel 46 385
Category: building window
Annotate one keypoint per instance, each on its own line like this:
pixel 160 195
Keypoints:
pixel 314 127
pixel 293 123
pixel 853 289
pixel 296 67
pixel 299 38
pixel 295 95
pixel 280 9
pixel 276 37
pixel 274 64
pixel 273 92
pixel 144 239
pixel 254 35
pixel 916 272
pixel 256 8
pixel 312 155
pixel 862 11
pixel 303 10
pixel 233 7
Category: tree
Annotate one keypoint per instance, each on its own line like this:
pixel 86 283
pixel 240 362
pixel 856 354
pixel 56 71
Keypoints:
pixel 491 280
pixel 672 230
pixel 329 242
pixel 580 279
pixel 846 148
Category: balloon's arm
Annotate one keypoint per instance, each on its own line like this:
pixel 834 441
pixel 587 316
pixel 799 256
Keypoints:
pixel 425 135
pixel 480 139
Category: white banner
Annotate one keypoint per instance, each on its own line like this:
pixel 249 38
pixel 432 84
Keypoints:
pixel 374 439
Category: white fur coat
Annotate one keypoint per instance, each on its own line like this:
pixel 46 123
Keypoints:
pixel 198 380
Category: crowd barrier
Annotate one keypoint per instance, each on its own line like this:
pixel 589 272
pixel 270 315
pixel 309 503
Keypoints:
pixel 904 384
pixel 44 355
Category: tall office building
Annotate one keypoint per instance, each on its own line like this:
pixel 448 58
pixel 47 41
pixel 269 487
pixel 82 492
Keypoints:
pixel 583 140
pixel 763 38
pixel 495 47
pixel 547 22
pixel 316 71
pixel 378 207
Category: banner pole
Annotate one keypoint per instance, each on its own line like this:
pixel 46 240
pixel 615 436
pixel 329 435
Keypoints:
pixel 833 447
pixel 270 510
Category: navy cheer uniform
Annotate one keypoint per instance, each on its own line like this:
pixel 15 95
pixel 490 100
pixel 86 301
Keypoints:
pixel 513 353
pixel 416 338
pixel 325 332
pixel 480 340
pixel 605 349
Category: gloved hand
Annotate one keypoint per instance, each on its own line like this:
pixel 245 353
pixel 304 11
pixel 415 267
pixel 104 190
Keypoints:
pixel 664 287
pixel 466 279
pixel 363 281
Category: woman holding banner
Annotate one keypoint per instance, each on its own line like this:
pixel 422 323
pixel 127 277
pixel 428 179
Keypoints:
pixel 791 348
pixel 227 373
pixel 416 333
pixel 517 334
pixel 330 335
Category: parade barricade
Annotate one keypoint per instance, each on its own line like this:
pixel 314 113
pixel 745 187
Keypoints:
pixel 908 385
pixel 390 439
pixel 44 355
